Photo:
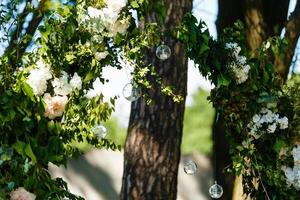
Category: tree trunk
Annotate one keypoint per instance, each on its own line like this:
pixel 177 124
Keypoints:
pixel 152 149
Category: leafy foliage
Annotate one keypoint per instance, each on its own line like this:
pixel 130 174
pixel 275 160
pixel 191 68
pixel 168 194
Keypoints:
pixel 257 159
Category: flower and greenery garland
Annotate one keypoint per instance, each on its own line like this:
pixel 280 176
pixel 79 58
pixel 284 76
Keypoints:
pixel 261 116
pixel 51 97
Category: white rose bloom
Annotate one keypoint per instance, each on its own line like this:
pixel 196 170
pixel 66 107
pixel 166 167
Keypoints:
pixel 38 78
pixel 101 55
pixel 94 12
pixel 21 194
pixel 76 82
pixel 272 128
pixel 116 5
pixel 120 26
pixel 109 17
pixel 283 122
pixel 55 106
pixel 61 85
pixel 95 91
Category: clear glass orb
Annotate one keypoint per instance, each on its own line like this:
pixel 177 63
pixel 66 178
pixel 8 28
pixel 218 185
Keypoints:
pixel 190 167
pixel 131 93
pixel 100 131
pixel 163 52
pixel 215 191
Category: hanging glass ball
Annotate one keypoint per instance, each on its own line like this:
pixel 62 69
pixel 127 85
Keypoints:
pixel 215 191
pixel 163 52
pixel 190 167
pixel 100 131
pixel 131 93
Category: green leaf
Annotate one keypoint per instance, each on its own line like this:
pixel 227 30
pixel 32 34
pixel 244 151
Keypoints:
pixel 223 81
pixel 28 91
pixel 278 145
pixel 30 154
pixel 19 146
pixel 134 4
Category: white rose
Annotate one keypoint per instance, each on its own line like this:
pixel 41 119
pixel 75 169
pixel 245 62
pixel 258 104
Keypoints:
pixel 21 194
pixel 55 106
pixel 38 78
pixel 95 91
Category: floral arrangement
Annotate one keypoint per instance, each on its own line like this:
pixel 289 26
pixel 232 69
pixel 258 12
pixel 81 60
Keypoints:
pixel 260 115
pixel 51 97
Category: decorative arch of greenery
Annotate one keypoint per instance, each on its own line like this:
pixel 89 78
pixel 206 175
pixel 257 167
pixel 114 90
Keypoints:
pixel 260 114
pixel 50 97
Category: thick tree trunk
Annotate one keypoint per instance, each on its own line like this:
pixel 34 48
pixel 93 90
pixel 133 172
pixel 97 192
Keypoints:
pixel 152 149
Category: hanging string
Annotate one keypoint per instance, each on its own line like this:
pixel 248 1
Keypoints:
pixel 215 148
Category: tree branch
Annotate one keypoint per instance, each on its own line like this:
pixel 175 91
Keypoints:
pixel 15 34
pixel 292 34
pixel 33 24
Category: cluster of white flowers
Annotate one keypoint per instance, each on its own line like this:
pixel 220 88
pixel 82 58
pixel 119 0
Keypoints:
pixel 266 118
pixel 238 66
pixel 63 87
pixel 95 91
pixel 293 174
pixel 38 78
pixel 96 20
pixel 21 194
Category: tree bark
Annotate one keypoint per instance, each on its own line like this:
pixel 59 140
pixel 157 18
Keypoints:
pixel 292 33
pixel 152 149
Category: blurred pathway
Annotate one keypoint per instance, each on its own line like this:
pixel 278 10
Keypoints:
pixel 97 176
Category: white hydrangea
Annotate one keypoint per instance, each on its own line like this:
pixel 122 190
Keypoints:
pixel 238 66
pixel 38 78
pixel 21 194
pixel 95 91
pixel 266 118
